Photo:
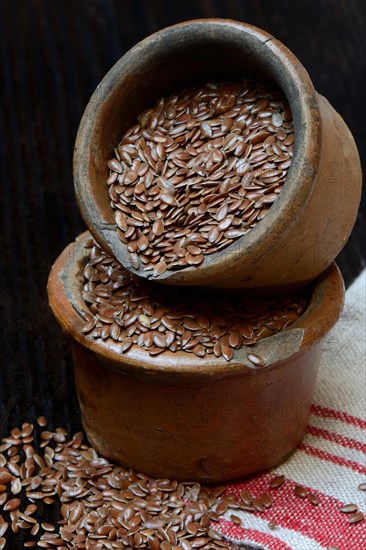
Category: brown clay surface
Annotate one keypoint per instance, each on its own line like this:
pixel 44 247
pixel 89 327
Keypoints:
pixel 190 418
pixel 313 216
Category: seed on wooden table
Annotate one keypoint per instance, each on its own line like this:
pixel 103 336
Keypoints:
pixel 5 477
pixel 12 504
pixel 42 421
pixel 16 486
pixel 47 526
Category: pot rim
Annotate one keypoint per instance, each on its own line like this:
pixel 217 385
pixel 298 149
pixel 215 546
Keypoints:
pixel 295 82
pixel 64 292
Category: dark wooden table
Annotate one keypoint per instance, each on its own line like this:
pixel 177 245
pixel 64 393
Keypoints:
pixel 53 54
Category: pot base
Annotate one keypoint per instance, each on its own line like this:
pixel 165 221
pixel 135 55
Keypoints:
pixel 206 432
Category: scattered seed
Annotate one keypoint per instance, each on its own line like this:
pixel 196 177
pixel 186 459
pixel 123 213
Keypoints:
pixel 246 497
pixel 41 421
pixel 12 504
pixel 349 508
pixel 257 504
pixel 301 491
pixel 356 518
pixel 277 482
pixel 266 499
pixel 313 498
pixel 97 497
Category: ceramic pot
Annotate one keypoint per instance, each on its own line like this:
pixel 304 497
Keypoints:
pixel 189 418
pixel 312 218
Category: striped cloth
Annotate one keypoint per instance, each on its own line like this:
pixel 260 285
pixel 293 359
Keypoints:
pixel 331 460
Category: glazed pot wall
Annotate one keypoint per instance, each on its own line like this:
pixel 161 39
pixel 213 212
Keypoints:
pixel 310 221
pixel 206 431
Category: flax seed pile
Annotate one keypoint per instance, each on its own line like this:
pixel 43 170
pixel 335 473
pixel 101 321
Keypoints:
pixel 99 505
pixel 198 171
pixel 132 311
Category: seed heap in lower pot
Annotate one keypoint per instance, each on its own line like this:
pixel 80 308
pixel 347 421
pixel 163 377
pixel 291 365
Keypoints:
pixel 132 311
pixel 198 171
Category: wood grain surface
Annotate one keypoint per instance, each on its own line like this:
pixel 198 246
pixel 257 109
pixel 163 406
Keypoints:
pixel 53 54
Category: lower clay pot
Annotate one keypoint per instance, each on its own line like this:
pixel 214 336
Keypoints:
pixel 189 418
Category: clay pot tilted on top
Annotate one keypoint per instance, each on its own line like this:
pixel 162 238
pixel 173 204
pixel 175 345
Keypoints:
pixel 310 221
pixel 190 418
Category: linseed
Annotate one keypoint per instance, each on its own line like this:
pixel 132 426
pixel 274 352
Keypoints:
pixel 199 170
pixel 104 506
pixel 100 505
pixel 313 498
pixel 349 508
pixel 356 518
pixel 277 482
pixel 301 491
pixel 128 310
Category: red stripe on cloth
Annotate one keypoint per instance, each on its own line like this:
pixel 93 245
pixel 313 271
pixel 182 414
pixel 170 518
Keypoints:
pixel 327 412
pixel 337 438
pixel 323 523
pixel 235 532
pixel 339 460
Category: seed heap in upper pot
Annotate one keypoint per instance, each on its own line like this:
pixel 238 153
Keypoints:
pixel 198 171
pixel 130 310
